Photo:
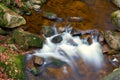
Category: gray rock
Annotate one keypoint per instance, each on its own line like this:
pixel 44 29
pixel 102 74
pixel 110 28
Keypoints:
pixel 9 18
pixel 113 39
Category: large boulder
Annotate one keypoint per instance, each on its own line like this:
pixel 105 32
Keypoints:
pixel 116 2
pixel 113 39
pixel 26 40
pixel 115 17
pixel 9 18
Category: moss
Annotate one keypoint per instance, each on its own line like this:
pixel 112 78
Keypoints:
pixel 18 37
pixel 26 39
pixel 2 49
pixel 15 68
pixel 10 41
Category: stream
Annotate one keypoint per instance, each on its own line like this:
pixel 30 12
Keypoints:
pixel 72 52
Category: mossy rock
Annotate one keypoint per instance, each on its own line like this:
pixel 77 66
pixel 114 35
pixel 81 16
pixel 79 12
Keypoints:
pixel 9 18
pixel 26 39
pixel 115 75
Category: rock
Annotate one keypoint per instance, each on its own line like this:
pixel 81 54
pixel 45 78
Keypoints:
pixel 115 75
pixel 29 4
pixel 116 2
pixel 37 61
pixel 49 15
pixel 26 40
pixel 115 60
pixel 36 1
pixel 47 31
pixel 115 17
pixel 75 19
pixel 113 39
pixel 57 39
pixel 36 7
pixel 9 18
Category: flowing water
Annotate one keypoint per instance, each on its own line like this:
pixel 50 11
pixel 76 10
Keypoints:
pixel 80 59
pixel 71 50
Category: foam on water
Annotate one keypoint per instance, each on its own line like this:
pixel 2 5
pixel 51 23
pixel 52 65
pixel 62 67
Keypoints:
pixel 72 48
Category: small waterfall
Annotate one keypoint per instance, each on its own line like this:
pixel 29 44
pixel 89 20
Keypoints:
pixel 70 49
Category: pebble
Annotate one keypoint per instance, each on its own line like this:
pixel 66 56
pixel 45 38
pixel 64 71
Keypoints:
pixel 75 19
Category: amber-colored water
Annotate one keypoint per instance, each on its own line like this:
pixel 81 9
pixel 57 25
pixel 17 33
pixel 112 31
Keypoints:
pixel 95 13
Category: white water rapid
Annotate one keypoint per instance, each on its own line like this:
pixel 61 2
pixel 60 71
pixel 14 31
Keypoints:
pixel 71 49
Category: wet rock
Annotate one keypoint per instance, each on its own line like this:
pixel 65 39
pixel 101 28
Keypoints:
pixel 115 60
pixel 59 19
pixel 113 39
pixel 37 61
pixel 57 39
pixel 115 75
pixel 47 31
pixel 115 17
pixel 49 15
pixel 9 18
pixel 116 2
pixel 26 40
pixel 74 19
pixel 28 13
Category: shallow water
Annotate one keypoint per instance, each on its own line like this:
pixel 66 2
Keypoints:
pixel 95 13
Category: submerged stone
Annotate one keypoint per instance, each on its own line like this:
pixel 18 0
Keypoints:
pixel 49 15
